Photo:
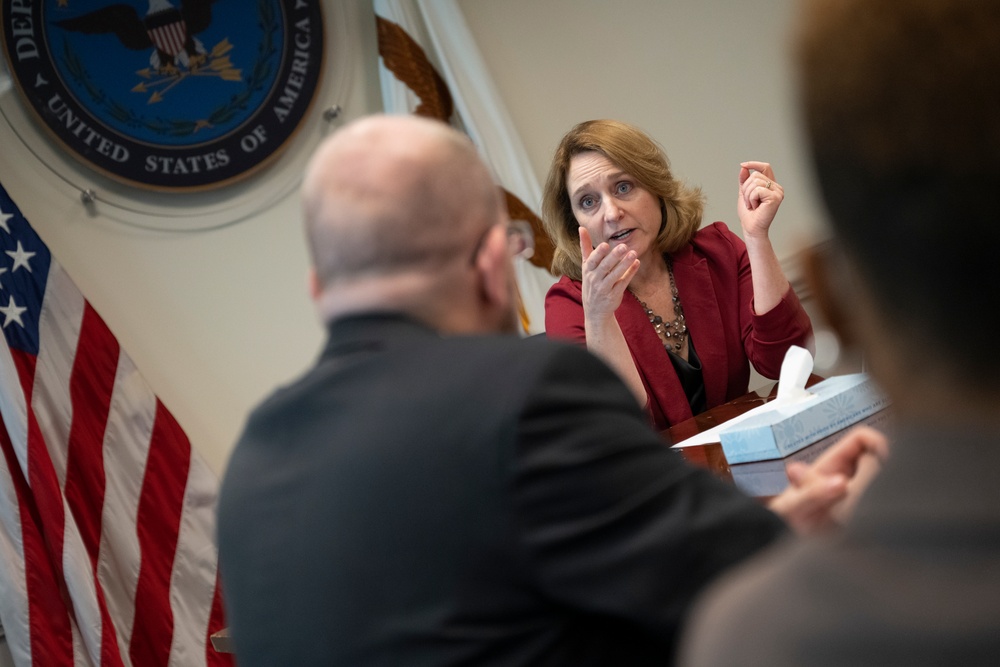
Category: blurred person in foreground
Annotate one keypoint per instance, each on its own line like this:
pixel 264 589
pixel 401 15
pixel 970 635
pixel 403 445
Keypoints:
pixel 438 491
pixel 901 101
pixel 679 310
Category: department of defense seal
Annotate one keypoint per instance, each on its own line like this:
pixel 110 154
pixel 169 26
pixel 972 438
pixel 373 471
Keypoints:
pixel 167 94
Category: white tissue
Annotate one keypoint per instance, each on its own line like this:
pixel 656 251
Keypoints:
pixel 795 371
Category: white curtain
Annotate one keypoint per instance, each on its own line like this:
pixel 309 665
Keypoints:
pixel 439 27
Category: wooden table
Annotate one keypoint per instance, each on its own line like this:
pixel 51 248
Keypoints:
pixel 711 455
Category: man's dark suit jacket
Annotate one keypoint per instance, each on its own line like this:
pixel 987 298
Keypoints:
pixel 424 500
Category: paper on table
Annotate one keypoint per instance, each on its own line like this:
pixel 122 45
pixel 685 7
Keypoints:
pixel 795 370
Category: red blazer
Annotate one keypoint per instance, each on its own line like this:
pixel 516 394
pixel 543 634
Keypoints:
pixel 714 283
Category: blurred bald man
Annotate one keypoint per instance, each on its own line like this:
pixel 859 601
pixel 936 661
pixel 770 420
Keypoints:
pixel 435 492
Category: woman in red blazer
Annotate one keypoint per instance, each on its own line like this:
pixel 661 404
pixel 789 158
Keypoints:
pixel 679 312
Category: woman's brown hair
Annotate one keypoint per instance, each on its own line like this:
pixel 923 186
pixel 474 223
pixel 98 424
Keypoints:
pixel 633 151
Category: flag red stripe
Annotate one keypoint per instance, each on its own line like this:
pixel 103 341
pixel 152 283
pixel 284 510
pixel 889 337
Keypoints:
pixel 91 383
pixel 48 620
pixel 48 498
pixel 158 525
pixel 42 476
pixel 49 623
pixel 216 622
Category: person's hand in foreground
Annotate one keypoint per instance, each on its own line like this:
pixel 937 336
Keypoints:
pixel 822 495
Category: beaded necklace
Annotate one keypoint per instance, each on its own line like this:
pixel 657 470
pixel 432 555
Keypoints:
pixel 674 333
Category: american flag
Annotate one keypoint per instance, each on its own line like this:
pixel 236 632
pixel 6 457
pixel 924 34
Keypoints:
pixel 107 516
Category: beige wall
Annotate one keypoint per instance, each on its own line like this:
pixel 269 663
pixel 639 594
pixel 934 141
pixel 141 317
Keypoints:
pixel 709 79
pixel 215 320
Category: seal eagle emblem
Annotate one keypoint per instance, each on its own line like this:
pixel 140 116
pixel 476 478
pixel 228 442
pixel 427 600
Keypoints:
pixel 168 30
pixel 167 94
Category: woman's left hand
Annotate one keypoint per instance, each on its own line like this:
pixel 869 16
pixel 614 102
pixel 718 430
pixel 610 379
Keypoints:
pixel 760 197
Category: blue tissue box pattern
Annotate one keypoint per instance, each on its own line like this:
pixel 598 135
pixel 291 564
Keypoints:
pixel 837 403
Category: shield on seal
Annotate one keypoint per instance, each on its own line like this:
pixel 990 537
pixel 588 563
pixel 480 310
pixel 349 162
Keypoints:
pixel 167 30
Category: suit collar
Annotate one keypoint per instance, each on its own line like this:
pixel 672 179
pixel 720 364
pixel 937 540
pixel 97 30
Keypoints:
pixel 372 331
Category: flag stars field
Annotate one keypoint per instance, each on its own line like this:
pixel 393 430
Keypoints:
pixel 21 257
pixel 12 313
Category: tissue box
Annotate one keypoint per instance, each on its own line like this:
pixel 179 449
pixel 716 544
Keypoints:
pixel 763 479
pixel 834 404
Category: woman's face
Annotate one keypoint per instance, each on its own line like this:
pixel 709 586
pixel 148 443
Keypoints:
pixel 611 205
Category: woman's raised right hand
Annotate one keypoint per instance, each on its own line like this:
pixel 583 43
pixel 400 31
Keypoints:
pixel 606 273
